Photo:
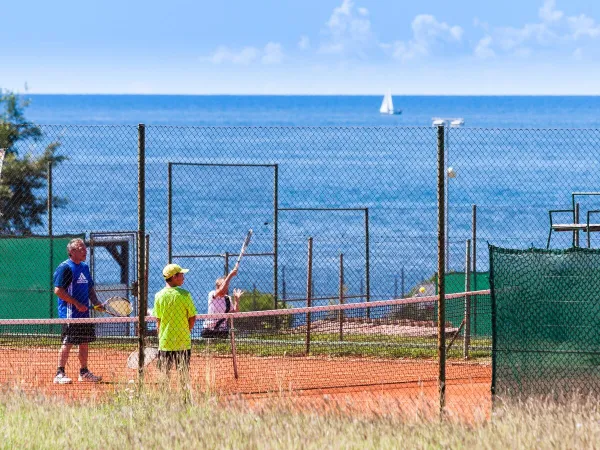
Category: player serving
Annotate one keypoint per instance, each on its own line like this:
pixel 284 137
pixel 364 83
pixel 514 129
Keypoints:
pixel 219 301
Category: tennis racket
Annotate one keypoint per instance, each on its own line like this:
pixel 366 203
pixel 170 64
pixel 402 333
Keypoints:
pixel 117 306
pixel 244 246
pixel 150 355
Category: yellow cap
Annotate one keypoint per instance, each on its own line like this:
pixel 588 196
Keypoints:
pixel 173 269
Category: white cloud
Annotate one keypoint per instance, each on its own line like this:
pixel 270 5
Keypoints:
pixel 583 25
pixel 510 39
pixel 427 32
pixel 483 50
pixel 244 56
pixel 273 53
pixel 347 32
pixel 555 32
pixel 548 13
pixel 304 43
pixel 523 52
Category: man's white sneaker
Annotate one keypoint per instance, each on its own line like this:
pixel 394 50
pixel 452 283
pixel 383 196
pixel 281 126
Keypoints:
pixel 61 378
pixel 89 377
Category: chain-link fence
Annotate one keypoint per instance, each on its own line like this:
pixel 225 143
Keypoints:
pixel 366 198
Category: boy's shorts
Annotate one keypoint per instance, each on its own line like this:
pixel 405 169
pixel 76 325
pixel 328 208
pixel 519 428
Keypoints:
pixel 181 359
pixel 78 333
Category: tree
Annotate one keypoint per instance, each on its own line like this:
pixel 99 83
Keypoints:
pixel 23 176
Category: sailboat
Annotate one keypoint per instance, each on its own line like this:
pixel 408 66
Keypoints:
pixel 387 105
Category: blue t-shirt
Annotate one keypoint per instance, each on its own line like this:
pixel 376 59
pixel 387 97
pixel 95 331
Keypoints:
pixel 77 281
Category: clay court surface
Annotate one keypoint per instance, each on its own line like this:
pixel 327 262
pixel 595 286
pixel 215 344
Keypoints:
pixel 360 384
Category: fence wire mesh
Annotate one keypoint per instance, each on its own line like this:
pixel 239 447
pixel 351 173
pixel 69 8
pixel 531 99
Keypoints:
pixel 364 196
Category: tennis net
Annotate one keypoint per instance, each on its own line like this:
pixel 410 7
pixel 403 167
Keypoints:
pixel 380 344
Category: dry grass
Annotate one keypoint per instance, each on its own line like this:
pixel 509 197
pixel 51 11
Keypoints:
pixel 165 421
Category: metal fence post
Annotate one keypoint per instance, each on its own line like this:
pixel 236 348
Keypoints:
pixel 402 284
pixel 441 182
pixel 275 233
pixel 226 264
pixel 467 319
pixel 341 296
pixel 50 235
pixel 170 212
pixel 576 232
pixel 308 292
pixel 141 269
pixel 367 262
pixel 474 265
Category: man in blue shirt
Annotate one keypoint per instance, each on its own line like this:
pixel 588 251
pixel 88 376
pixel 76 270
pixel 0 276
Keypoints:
pixel 74 287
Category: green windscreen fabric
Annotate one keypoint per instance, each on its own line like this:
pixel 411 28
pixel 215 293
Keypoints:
pixel 28 264
pixel 481 311
pixel 546 321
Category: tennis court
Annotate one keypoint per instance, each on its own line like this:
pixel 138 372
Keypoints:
pixel 343 355
pixel 307 379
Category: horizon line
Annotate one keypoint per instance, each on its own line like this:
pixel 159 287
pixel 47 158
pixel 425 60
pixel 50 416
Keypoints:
pixel 293 95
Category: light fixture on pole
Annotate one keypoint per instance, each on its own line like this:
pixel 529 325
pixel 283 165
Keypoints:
pixel 447 122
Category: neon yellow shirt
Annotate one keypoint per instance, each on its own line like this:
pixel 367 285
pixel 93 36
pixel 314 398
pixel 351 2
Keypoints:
pixel 174 306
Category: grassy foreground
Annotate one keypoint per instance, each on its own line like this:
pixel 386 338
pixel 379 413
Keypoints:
pixel 162 422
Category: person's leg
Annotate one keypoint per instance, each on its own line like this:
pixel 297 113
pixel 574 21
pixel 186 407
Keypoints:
pixel 164 365
pixel 183 368
pixel 83 355
pixel 84 372
pixel 63 355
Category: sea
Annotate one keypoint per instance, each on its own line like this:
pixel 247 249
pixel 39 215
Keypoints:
pixel 297 111
pixel 516 158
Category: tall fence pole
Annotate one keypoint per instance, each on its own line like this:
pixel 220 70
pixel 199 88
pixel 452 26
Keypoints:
pixel 283 287
pixel 576 232
pixel 170 212
pixel 474 265
pixel 467 319
pixel 275 234
pixel 226 264
pixel 441 182
pixel 308 292
pixel 50 236
pixel 402 284
pixel 341 296
pixel 367 262
pixel 141 248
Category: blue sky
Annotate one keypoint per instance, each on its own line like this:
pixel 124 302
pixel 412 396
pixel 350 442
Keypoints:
pixel 524 47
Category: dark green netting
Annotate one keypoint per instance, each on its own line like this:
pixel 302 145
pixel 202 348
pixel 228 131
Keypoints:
pixel 546 321
pixel 481 313
pixel 28 265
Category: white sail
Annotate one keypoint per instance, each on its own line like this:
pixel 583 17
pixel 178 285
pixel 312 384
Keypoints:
pixel 390 105
pixel 385 104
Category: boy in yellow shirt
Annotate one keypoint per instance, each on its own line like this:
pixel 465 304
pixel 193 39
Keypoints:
pixel 175 315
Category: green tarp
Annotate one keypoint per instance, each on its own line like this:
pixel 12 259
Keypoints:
pixel 481 317
pixel 546 327
pixel 27 265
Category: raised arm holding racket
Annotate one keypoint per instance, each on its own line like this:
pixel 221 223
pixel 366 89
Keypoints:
pixel 220 302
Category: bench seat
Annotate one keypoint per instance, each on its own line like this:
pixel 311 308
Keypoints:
pixel 575 227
